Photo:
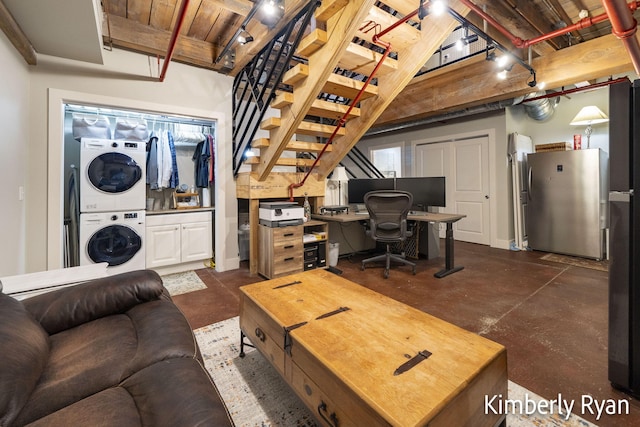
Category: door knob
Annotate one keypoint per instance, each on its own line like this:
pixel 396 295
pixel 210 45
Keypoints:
pixel 486 196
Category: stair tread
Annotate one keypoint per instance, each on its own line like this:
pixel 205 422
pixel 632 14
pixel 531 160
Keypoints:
pixel 363 60
pixel 347 87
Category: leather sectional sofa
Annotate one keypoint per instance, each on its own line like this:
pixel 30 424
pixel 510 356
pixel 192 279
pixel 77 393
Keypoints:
pixel 114 351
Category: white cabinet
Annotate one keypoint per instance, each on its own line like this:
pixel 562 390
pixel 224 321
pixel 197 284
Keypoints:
pixel 178 238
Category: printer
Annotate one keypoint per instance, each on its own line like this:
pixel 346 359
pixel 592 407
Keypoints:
pixel 280 214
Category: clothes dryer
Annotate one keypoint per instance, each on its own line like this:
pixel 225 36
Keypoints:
pixel 113 237
pixel 113 175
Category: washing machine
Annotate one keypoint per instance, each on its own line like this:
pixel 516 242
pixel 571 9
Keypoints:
pixel 113 175
pixel 113 237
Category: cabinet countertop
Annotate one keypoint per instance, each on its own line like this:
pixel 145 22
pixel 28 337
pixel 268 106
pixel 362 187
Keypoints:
pixel 175 211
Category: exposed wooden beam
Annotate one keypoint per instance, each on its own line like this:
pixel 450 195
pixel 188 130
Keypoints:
pixel 16 36
pixel 143 38
pixel 476 84
pixel 239 7
pixel 434 31
pixel 514 23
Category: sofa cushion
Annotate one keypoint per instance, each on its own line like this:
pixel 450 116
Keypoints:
pixel 100 354
pixel 68 307
pixel 175 392
pixel 24 346
pixel 112 407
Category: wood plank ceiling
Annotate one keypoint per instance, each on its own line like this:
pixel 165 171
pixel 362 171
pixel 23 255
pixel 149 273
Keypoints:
pixel 209 25
pixel 145 26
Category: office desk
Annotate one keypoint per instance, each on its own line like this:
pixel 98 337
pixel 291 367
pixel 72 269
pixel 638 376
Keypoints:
pixel 448 219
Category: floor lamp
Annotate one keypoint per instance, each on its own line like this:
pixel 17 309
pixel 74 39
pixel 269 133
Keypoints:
pixel 340 175
pixel 589 115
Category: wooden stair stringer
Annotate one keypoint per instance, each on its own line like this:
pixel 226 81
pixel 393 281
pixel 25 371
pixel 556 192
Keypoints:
pixel 340 30
pixel 434 31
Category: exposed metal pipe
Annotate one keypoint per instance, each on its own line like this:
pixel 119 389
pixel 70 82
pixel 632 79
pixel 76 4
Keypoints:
pixel 174 38
pixel 576 89
pixel 582 24
pixel 624 26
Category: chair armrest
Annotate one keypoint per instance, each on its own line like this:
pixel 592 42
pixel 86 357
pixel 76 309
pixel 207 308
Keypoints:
pixel 66 308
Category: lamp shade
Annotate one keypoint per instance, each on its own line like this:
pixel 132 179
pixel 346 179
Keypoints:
pixel 339 174
pixel 589 115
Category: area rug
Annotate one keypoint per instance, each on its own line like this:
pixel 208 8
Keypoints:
pixel 181 283
pixel 577 261
pixel 256 396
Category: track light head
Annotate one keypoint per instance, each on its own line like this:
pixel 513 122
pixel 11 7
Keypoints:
pixel 244 37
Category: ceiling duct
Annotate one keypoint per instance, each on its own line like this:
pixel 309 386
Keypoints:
pixel 540 109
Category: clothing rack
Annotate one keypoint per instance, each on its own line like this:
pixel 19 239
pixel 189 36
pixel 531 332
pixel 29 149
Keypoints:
pixel 149 117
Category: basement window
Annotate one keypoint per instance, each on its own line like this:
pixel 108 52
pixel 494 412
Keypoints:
pixel 387 159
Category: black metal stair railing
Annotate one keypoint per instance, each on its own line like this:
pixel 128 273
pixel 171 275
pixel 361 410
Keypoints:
pixel 256 85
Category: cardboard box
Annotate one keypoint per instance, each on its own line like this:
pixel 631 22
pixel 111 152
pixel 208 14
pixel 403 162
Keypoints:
pixel 554 146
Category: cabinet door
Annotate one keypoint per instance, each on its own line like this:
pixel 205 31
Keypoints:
pixel 163 245
pixel 196 241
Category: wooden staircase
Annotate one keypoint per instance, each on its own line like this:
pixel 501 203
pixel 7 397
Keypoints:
pixel 338 54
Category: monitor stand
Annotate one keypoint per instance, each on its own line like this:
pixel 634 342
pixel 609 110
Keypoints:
pixel 334 209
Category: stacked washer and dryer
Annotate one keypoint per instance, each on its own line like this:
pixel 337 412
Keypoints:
pixel 112 203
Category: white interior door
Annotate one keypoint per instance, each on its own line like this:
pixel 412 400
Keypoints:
pixel 471 190
pixel 465 164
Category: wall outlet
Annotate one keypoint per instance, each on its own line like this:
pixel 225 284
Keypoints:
pixel 21 193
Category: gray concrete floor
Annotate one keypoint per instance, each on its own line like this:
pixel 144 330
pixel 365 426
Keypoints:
pixel 551 317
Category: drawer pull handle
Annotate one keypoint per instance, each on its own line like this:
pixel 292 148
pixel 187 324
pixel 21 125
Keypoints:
pixel 333 418
pixel 287 234
pixel 288 247
pixel 289 259
pixel 261 336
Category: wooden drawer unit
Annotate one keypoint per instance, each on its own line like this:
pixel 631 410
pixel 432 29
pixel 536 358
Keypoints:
pixel 356 357
pixel 281 250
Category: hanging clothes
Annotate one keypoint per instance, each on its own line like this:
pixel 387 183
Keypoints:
pixel 174 180
pixel 211 157
pixel 152 162
pixel 164 165
pixel 200 159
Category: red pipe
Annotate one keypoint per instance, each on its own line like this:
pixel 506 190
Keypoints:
pixel 354 102
pixel 174 38
pixel 583 23
pixel 624 27
pixel 576 89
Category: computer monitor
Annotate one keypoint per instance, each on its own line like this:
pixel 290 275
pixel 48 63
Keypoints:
pixel 359 187
pixel 426 191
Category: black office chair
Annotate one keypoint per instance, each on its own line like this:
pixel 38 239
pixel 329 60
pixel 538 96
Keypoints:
pixel 388 212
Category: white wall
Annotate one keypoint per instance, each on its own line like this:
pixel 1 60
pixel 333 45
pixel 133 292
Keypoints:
pixel 504 122
pixel 557 127
pixel 14 144
pixel 498 164
pixel 125 80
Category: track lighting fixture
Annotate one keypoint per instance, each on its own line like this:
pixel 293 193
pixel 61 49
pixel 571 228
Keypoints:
pixel 244 37
pixel 271 11
pixel 438 7
pixel 533 82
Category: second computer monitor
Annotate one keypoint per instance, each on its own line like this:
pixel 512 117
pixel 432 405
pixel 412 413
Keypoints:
pixel 426 191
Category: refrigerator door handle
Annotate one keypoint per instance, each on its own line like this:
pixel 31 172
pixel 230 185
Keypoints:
pixel 529 182
pixel 620 196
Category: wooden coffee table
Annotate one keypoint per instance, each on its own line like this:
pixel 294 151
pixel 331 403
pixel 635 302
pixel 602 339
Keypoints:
pixel 356 357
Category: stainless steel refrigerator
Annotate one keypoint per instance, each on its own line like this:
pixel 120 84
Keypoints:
pixel 567 202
